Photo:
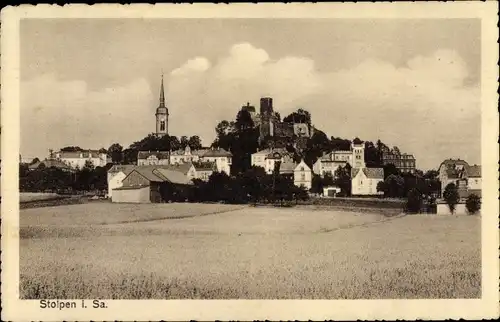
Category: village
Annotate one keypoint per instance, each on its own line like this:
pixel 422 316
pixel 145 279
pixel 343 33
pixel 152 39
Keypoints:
pixel 281 149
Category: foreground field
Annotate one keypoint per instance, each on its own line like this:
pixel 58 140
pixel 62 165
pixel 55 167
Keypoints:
pixel 219 251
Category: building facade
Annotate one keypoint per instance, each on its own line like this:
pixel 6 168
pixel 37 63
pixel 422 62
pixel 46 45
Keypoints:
pixel 302 175
pixel 115 177
pixel 220 157
pixel 268 158
pixel 153 158
pixel 466 177
pixel 405 163
pixel 78 159
pixel 364 181
pixel 330 162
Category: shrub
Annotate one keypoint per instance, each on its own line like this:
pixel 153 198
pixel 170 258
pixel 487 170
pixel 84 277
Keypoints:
pixel 473 204
pixel 414 202
pixel 451 196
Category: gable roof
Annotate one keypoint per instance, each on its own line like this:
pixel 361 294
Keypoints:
pixel 125 168
pixel 76 154
pixel 302 164
pixel 287 167
pixel 172 176
pixel 370 173
pixel 451 162
pixel 205 166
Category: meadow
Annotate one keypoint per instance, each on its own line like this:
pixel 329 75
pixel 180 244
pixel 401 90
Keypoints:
pixel 214 251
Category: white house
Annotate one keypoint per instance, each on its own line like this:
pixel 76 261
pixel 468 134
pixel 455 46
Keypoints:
pixel 302 175
pixel 77 159
pixel 364 180
pixel 221 157
pixel 466 177
pixel 330 162
pixel 116 174
pixel 268 158
pixel 153 158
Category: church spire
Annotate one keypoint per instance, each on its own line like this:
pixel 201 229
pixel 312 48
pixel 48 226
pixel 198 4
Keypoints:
pixel 162 93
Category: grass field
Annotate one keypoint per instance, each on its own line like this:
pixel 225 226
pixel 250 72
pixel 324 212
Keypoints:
pixel 212 251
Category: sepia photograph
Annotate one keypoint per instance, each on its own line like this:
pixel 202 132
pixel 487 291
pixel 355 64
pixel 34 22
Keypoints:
pixel 252 157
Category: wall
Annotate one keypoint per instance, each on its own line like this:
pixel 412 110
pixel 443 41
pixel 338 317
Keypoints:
pixel 115 181
pixel 474 183
pixel 135 179
pixel 302 177
pixel 140 195
pixel 361 185
pixel 443 209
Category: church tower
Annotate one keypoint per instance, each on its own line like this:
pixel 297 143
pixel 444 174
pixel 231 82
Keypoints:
pixel 162 114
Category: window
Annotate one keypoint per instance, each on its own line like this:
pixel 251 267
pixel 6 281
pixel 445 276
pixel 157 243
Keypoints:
pixel 302 176
pixel 162 125
pixel 301 168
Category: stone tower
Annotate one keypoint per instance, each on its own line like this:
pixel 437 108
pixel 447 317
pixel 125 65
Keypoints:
pixel 162 113
pixel 358 155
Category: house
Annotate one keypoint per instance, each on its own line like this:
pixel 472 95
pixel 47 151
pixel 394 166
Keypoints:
pixel 221 157
pixel 330 162
pixel 153 158
pixel 51 163
pixel 78 159
pixel 302 175
pixel 268 158
pixel 405 163
pixel 115 176
pixel 364 181
pixel 203 170
pixel 467 178
pixel 147 184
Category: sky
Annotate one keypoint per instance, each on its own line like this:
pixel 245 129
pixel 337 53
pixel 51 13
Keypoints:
pixel 414 84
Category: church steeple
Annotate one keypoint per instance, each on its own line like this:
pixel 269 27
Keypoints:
pixel 162 93
pixel 162 113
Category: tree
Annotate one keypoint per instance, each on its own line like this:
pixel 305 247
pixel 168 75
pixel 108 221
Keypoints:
pixel 194 142
pixel 115 151
pixel 243 121
pixel 451 196
pixel 390 169
pixel 316 184
pixel 414 201
pixel 35 160
pixel 381 187
pixel 473 203
pixel 184 142
pixel 316 147
pixel 300 116
pixel 357 141
pixel 71 149
pixel 343 179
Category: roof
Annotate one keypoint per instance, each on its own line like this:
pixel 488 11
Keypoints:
pixel 125 168
pixel 370 173
pixel 49 164
pixel 474 171
pixel 76 154
pixel 159 154
pixel 191 152
pixel 302 163
pixel 130 187
pixel 287 167
pixel 205 166
pixel 451 162
pixel 216 152
pixel 172 176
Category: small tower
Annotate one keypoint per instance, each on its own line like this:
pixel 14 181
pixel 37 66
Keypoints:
pixel 358 155
pixel 162 114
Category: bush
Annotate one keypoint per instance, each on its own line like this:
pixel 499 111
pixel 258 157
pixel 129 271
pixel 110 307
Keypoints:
pixel 451 196
pixel 473 204
pixel 414 202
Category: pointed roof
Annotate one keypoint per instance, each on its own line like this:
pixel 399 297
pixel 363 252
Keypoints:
pixel 162 93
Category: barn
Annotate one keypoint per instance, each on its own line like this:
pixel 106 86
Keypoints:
pixel 149 184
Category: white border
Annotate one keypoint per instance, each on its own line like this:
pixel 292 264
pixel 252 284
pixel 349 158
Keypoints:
pixel 487 307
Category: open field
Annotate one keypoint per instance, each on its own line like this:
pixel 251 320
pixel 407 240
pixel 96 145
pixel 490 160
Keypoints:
pixel 37 196
pixel 212 251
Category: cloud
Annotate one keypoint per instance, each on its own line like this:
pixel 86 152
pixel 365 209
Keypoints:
pixel 423 106
pixel 56 113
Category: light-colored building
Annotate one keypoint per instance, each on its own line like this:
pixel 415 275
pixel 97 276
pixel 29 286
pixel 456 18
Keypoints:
pixel 405 163
pixel 302 175
pixel 467 178
pixel 185 155
pixel 203 170
pixel 51 163
pixel 221 157
pixel 268 158
pixel 115 176
pixel 144 183
pixel 364 181
pixel 330 162
pixel 153 158
pixel 77 159
pixel 331 191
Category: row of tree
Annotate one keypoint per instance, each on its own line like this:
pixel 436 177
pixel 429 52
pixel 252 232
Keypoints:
pixel 56 180
pixel 251 186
